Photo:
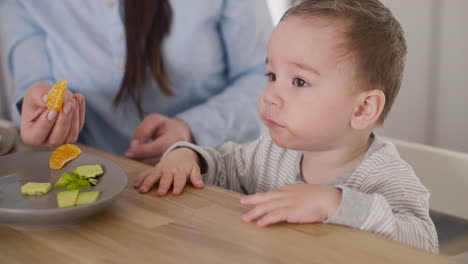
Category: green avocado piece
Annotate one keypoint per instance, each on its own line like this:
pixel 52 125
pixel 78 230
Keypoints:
pixel 87 197
pixel 62 183
pixel 73 186
pixel 67 198
pixel 84 184
pixel 70 176
pixel 33 188
pixel 89 171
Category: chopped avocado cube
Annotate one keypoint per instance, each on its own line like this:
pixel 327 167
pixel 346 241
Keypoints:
pixel 70 176
pixel 87 197
pixel 67 198
pixel 62 183
pixel 73 186
pixel 84 184
pixel 89 171
pixel 33 188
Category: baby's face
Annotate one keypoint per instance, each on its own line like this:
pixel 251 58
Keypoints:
pixel 311 94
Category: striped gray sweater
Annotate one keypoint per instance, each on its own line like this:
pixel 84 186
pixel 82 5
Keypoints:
pixel 381 195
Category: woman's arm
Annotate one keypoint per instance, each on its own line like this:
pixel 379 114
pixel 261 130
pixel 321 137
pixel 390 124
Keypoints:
pixel 245 27
pixel 24 46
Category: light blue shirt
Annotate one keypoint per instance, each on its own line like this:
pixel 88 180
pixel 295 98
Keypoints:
pixel 215 57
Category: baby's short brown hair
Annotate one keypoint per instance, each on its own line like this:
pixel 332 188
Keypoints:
pixel 374 37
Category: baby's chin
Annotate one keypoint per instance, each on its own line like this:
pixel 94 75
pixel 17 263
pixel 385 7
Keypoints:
pixel 286 140
pixel 280 140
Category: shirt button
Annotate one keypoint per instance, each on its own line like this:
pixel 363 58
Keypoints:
pixel 119 37
pixel 121 66
pixel 111 4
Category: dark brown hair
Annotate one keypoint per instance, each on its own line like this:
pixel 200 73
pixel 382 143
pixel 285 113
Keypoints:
pixel 147 23
pixel 374 37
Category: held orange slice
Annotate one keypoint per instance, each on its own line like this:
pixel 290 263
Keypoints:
pixel 62 155
pixel 55 95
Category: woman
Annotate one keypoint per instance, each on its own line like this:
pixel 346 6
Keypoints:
pixel 152 72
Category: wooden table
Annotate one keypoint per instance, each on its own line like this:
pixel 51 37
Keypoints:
pixel 200 226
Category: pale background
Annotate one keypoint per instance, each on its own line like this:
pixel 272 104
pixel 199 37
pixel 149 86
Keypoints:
pixel 431 106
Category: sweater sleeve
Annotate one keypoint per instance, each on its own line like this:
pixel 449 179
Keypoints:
pixel 393 203
pixel 232 166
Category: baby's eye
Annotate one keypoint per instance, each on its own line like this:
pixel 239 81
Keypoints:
pixel 271 76
pixel 300 82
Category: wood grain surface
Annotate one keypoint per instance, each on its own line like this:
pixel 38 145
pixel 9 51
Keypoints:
pixel 199 226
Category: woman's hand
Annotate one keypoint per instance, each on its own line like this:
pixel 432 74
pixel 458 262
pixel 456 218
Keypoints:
pixel 174 170
pixel 155 134
pixel 295 203
pixel 44 127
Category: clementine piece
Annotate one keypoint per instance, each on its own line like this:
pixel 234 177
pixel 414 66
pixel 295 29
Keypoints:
pixel 55 95
pixel 62 155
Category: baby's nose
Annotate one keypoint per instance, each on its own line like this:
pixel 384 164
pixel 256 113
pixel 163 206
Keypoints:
pixel 273 99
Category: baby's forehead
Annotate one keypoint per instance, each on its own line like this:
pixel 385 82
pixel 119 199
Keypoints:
pixel 313 31
pixel 334 25
pixel 310 37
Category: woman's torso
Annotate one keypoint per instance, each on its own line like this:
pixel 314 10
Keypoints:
pixel 86 45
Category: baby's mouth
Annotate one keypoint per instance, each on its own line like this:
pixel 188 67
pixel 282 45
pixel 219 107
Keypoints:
pixel 272 124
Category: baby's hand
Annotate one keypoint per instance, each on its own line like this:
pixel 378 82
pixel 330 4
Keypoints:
pixel 296 203
pixel 178 166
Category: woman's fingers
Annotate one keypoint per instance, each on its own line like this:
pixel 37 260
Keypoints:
pixel 146 130
pixel 74 125
pixel 82 108
pixel 35 133
pixel 62 126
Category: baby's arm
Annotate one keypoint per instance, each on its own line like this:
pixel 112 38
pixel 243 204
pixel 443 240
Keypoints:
pixel 232 166
pixel 391 203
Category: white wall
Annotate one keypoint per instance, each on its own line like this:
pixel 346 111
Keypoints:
pixel 408 118
pixel 277 8
pixel 451 117
pixel 430 107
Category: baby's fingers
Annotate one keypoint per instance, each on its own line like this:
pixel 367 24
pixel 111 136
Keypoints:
pixel 275 216
pixel 141 177
pixel 263 209
pixel 149 180
pixel 165 183
pixel 195 177
pixel 179 183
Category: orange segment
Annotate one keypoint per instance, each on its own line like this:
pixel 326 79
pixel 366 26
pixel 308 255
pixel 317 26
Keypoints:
pixel 62 155
pixel 55 96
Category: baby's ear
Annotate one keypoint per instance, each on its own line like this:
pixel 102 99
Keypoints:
pixel 369 107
